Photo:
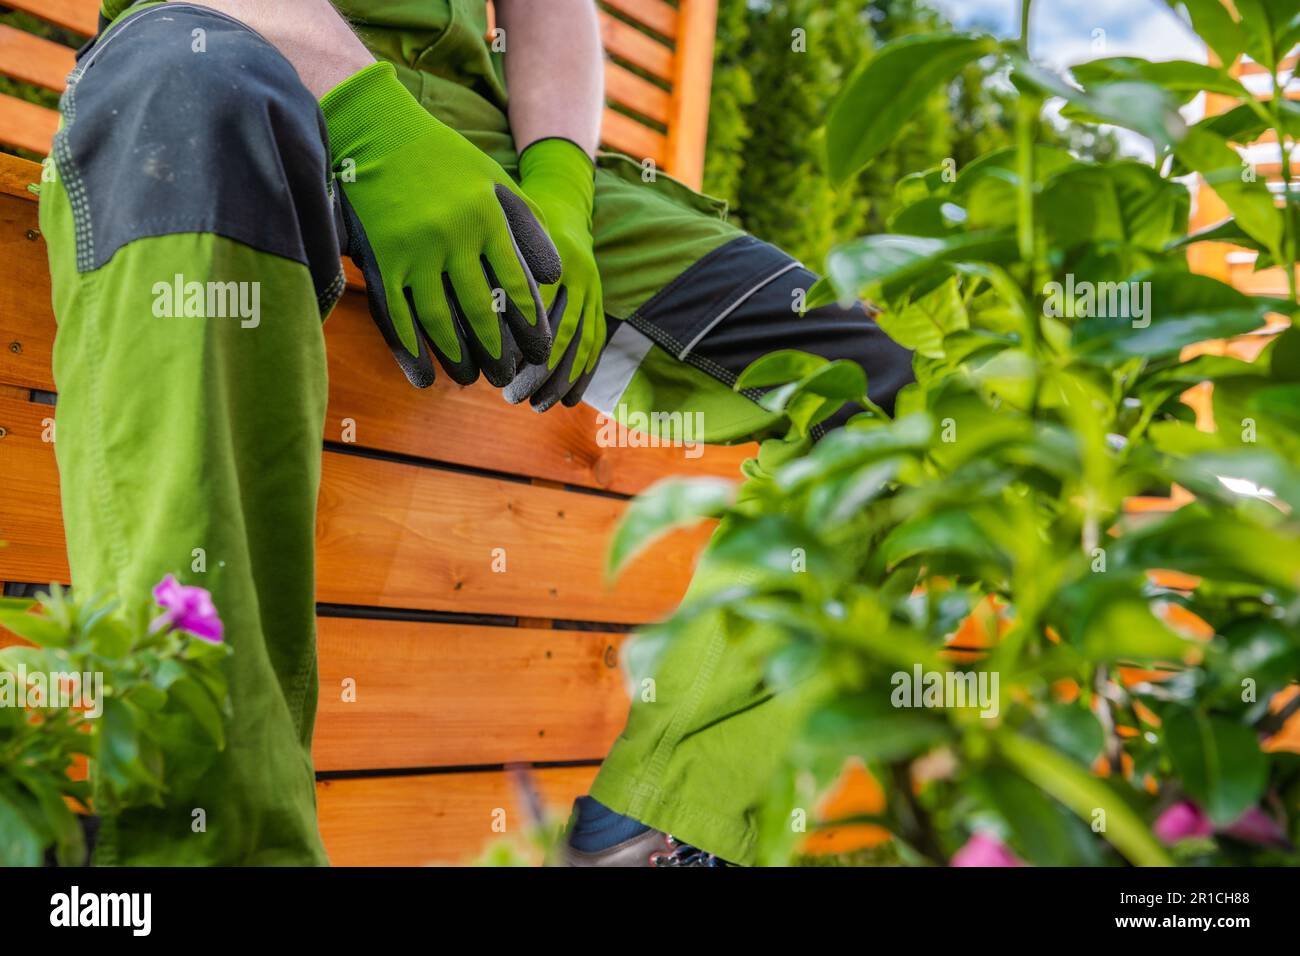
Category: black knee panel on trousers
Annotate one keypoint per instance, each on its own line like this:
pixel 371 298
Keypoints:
pixel 740 302
pixel 181 119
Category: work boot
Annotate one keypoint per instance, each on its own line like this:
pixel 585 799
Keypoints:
pixel 651 848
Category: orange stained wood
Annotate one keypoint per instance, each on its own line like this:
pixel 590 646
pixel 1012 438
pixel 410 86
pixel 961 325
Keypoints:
pixel 26 125
pixel 391 534
pixel 688 126
pixel 403 694
pixel 657 15
pixel 627 89
pixel 35 60
pixel 629 44
pixel 855 793
pixel 436 818
pixel 1288 738
pixel 81 16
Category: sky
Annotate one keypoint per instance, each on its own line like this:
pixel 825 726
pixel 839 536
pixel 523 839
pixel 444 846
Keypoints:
pixel 1071 31
pixel 1066 32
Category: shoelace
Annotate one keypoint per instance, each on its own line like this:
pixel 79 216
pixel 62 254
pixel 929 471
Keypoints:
pixel 683 854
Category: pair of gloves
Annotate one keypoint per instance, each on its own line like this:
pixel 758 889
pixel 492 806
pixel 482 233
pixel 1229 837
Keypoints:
pixel 457 262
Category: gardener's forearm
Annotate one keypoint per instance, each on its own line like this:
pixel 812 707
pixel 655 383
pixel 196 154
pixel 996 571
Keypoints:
pixel 310 34
pixel 554 69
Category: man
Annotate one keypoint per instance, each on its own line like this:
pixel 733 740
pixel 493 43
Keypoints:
pixel 250 141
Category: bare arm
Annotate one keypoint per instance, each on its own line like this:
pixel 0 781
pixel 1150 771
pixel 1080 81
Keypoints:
pixel 554 70
pixel 310 33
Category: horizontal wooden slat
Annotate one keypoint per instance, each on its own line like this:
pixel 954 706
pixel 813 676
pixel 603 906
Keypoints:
pixel 404 536
pixel 630 44
pixel 655 14
pixel 1251 68
pixel 436 818
pixel 1265 282
pixel 396 535
pixel 79 15
pixel 625 135
pixel 466 426
pixel 474 426
pixel 26 125
pixel 34 59
pixel 431 695
pixel 626 88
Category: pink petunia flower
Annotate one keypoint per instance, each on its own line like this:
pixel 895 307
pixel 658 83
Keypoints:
pixel 187 608
pixel 1181 821
pixel 1256 826
pixel 984 849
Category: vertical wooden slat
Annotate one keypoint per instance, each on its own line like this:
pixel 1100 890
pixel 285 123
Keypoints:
pixel 688 124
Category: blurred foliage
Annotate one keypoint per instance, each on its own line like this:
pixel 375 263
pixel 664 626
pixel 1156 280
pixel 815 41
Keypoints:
pixel 162 699
pixel 769 101
pixel 1137 661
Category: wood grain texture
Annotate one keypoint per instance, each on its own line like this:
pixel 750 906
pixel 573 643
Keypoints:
pixel 627 89
pixel 33 59
pixel 26 125
pixel 390 534
pixel 79 15
pixel 655 14
pixel 630 44
pixel 430 695
pixel 623 134
pixel 435 818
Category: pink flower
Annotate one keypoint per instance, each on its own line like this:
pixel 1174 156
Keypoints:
pixel 984 849
pixel 186 609
pixel 1180 821
pixel 1256 826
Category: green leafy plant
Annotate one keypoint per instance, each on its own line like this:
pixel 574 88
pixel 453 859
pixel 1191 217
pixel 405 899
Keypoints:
pixel 143 701
pixel 1134 658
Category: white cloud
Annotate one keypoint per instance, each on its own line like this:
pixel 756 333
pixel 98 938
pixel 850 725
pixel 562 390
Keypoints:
pixel 1068 32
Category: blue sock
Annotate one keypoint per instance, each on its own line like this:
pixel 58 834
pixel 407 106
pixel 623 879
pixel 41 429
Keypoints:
pixel 599 828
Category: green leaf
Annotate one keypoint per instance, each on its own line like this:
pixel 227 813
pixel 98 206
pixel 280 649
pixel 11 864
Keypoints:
pixel 1003 166
pixel 1146 108
pixel 888 90
pixel 922 325
pixel 1182 308
pixel 1132 104
pixel 1179 76
pixel 1219 547
pixel 195 699
pixel 1126 629
pixel 23 835
pixel 1075 730
pixel 781 367
pixel 1250 200
pixel 1244 473
pixel 887 264
pixel 1218 762
pixel 1215 25
pixel 950 532
pixel 1060 777
pixel 934 216
pixel 860 728
pixel 668 505
pixel 1042 830
pixel 822 293
pixel 35 627
pixel 1119 203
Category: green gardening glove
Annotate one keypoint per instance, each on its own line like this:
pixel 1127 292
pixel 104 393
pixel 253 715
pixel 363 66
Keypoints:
pixel 558 176
pixel 451 251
